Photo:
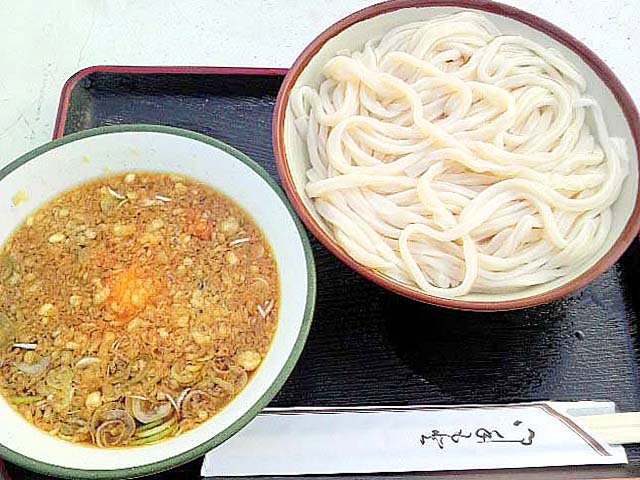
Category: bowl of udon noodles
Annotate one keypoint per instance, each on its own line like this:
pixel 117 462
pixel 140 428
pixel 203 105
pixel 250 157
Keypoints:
pixel 465 154
pixel 156 290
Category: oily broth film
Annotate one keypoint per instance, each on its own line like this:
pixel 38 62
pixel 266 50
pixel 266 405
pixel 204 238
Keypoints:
pixel 133 308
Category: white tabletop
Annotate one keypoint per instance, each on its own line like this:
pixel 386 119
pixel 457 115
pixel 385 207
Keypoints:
pixel 42 43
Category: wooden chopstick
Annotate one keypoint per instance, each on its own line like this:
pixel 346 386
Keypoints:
pixel 614 428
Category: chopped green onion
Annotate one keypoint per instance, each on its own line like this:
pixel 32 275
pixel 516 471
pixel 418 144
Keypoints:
pixel 7 332
pixel 24 400
pixel 60 378
pixel 65 398
pixel 6 268
pixel 154 431
pixel 139 368
pixel 149 426
pixel 34 368
pixel 155 438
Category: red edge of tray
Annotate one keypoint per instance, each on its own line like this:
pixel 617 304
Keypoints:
pixel 65 96
pixel 4 475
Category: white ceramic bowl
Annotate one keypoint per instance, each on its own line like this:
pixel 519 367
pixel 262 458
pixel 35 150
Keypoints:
pixel 58 166
pixel 352 32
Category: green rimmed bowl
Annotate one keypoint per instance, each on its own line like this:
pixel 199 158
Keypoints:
pixel 60 165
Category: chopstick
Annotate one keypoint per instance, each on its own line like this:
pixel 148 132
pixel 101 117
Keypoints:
pixel 614 428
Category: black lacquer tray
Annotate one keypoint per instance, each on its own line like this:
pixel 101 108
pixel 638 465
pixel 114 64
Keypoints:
pixel 371 347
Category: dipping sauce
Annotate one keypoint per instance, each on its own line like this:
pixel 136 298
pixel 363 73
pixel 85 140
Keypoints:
pixel 133 308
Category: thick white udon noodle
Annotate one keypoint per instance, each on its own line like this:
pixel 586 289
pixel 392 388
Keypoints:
pixel 456 159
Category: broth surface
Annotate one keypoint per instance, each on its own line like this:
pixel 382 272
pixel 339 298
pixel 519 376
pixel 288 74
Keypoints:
pixel 133 308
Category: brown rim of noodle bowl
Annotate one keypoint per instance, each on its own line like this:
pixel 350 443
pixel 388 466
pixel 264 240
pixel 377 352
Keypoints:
pixel 591 59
